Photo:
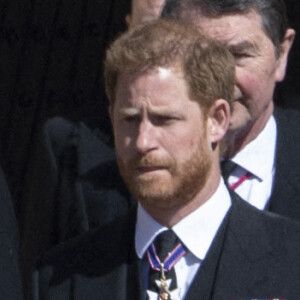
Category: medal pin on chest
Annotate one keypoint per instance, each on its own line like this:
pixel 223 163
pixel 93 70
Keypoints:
pixel 164 286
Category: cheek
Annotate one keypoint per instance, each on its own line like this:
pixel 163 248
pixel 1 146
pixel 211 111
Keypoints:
pixel 194 142
pixel 122 146
pixel 188 144
pixel 124 134
pixel 257 81
pixel 189 139
pixel 247 82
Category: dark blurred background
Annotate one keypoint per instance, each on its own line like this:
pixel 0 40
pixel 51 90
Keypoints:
pixel 51 54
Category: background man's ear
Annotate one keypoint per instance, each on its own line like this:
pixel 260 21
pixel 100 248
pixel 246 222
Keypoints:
pixel 128 20
pixel 284 52
pixel 110 112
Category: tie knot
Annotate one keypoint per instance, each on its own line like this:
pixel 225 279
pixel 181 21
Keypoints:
pixel 165 243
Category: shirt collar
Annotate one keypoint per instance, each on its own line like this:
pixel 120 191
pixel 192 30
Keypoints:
pixel 257 157
pixel 196 231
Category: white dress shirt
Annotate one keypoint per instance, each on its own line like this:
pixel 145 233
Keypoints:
pixel 258 157
pixel 196 231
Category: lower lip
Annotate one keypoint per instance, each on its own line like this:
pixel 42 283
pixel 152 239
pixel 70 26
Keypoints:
pixel 150 170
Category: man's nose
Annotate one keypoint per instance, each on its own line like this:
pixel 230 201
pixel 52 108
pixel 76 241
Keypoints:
pixel 146 138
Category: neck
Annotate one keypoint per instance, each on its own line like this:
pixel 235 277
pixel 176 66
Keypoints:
pixel 170 217
pixel 237 139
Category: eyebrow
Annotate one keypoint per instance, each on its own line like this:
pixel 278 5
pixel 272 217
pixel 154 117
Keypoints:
pixel 130 111
pixel 244 45
pixel 134 111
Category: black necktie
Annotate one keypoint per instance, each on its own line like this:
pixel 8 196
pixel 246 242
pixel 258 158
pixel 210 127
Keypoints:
pixel 163 244
pixel 227 167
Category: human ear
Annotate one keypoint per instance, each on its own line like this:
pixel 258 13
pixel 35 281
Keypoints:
pixel 284 52
pixel 110 112
pixel 128 20
pixel 218 120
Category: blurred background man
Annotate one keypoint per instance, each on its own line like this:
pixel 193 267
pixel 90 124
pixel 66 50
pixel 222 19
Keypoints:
pixel 144 10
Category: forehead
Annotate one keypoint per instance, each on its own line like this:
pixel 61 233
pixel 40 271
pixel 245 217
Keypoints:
pixel 159 87
pixel 229 28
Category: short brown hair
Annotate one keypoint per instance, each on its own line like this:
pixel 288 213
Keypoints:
pixel 208 66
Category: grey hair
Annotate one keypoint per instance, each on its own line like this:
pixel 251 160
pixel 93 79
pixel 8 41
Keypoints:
pixel 272 12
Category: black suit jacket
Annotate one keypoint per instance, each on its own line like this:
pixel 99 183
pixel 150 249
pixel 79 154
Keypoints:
pixel 73 186
pixel 285 198
pixel 10 284
pixel 254 255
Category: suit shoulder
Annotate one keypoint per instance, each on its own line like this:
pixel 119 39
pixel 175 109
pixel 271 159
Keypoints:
pixel 58 128
pixel 93 253
pixel 57 135
pixel 270 227
pixel 91 146
pixel 286 117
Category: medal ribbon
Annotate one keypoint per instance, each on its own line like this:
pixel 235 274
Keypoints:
pixel 169 261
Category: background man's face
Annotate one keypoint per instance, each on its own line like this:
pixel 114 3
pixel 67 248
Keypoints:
pixel 144 10
pixel 161 140
pixel 257 67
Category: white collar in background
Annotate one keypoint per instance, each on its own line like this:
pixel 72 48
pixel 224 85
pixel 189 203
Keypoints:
pixel 196 231
pixel 258 156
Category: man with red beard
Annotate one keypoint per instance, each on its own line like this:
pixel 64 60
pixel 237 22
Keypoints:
pixel 170 90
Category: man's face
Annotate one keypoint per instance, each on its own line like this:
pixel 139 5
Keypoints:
pixel 144 10
pixel 161 139
pixel 257 67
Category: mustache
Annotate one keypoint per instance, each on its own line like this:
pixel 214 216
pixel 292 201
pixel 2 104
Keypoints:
pixel 147 161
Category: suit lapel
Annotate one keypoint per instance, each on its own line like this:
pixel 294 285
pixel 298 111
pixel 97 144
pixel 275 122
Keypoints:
pixel 248 251
pixel 121 280
pixel 203 283
pixel 284 199
pixel 234 255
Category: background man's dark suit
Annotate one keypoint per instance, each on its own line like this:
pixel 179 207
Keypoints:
pixel 76 188
pixel 10 284
pixel 285 199
pixel 255 254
